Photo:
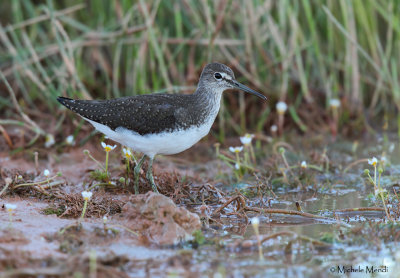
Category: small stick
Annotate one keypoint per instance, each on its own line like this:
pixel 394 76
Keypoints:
pixel 34 183
pixel 8 182
pixel 6 136
pixel 239 199
pixel 355 163
pixel 283 211
pixel 36 154
pixel 361 209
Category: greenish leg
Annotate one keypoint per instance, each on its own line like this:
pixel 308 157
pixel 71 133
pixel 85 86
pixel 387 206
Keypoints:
pixel 150 175
pixel 136 173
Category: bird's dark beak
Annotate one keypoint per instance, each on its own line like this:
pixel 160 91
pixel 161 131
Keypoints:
pixel 248 90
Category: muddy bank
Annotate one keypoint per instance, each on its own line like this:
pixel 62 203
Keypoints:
pixel 311 219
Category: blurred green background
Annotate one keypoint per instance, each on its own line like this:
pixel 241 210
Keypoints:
pixel 301 52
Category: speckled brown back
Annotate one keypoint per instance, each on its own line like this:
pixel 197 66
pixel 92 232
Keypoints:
pixel 144 114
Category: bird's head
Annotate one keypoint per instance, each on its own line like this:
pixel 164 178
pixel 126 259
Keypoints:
pixel 219 76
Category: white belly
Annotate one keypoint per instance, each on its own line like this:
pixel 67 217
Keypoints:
pixel 152 144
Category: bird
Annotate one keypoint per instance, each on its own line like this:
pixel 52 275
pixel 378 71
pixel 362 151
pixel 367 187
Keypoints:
pixel 160 124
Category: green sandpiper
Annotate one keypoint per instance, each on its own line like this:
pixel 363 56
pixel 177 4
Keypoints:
pixel 160 123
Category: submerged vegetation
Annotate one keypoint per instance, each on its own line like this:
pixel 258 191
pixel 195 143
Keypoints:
pixel 280 187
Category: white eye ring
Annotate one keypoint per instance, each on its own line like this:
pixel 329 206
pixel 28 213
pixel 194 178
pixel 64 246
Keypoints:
pixel 217 76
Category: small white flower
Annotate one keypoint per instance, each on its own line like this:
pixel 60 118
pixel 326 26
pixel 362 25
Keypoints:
pixel 127 153
pixel 373 161
pixel 108 148
pixel 46 173
pixel 237 166
pixel 49 140
pixel 87 195
pixel 8 181
pixel 281 107
pixel 236 149
pixel 274 128
pixel 246 139
pixel 304 164
pixel 334 103
pixel 10 207
pixel 255 221
pixel 105 219
pixel 70 140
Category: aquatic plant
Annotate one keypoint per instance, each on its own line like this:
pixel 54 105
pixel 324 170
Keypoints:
pixel 70 140
pixel 105 219
pixel 49 140
pixel 236 151
pixel 255 222
pixel 248 147
pixel 334 103
pixel 128 155
pixel 86 197
pixel 10 208
pixel 281 108
pixel 287 166
pixel 101 174
pixel 246 139
pixel 378 190
pixel 273 129
pixel 46 173
pixel 373 161
pixel 87 153
pixel 108 149
pixel 240 164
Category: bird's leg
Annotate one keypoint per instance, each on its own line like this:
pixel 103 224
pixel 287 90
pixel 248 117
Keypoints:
pixel 136 173
pixel 149 175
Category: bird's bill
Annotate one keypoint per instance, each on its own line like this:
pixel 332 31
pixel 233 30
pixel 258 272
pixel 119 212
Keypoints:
pixel 248 90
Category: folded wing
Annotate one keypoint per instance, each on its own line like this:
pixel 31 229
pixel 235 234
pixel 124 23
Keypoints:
pixel 144 114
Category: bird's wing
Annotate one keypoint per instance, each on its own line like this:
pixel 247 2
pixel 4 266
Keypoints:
pixel 143 114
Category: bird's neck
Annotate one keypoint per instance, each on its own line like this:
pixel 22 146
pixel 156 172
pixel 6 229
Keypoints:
pixel 209 99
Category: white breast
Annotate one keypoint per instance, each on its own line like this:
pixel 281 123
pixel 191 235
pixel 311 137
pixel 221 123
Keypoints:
pixel 158 143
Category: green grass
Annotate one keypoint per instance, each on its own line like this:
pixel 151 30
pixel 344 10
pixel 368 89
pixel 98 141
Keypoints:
pixel 294 51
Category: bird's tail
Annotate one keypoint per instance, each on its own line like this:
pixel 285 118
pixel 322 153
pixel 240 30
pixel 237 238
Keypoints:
pixel 85 108
pixel 67 102
pixel 95 110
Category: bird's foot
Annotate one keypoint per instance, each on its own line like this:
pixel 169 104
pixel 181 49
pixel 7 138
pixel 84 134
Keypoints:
pixel 151 180
pixel 136 186
pixel 136 173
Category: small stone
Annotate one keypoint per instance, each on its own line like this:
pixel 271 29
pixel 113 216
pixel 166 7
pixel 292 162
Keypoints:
pixel 159 219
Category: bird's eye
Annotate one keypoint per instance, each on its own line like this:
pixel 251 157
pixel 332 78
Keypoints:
pixel 217 75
